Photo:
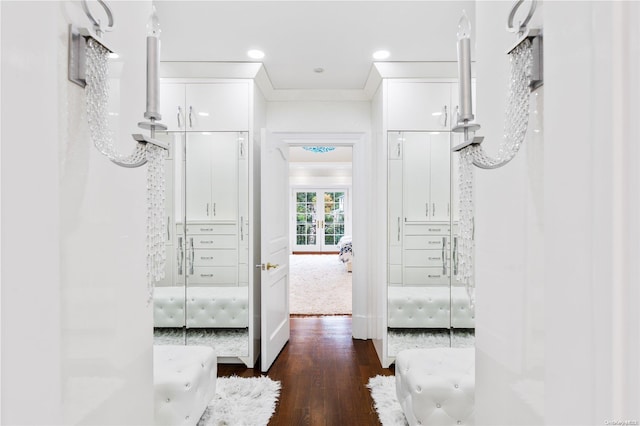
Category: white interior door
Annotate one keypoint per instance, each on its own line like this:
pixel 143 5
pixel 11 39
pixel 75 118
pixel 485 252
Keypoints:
pixel 274 248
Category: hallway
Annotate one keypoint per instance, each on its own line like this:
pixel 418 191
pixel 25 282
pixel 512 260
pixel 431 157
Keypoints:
pixel 324 373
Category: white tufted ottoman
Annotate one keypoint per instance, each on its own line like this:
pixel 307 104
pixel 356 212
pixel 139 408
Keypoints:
pixel 429 307
pixel 436 386
pixel 207 307
pixel 184 379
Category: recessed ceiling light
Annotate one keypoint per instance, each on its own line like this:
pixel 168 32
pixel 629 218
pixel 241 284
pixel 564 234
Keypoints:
pixel 381 54
pixel 255 54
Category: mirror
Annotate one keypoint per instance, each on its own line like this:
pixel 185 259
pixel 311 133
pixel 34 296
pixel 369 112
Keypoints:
pixel 427 306
pixel 203 299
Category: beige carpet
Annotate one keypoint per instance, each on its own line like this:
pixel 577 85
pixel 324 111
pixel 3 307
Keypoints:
pixel 319 284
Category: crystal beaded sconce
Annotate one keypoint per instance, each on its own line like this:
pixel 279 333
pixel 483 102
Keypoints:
pixel 526 76
pixel 88 68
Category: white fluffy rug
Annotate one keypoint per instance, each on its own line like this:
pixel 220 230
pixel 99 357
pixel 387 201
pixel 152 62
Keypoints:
pixel 319 284
pixel 385 401
pixel 242 401
pixel 226 342
pixel 400 339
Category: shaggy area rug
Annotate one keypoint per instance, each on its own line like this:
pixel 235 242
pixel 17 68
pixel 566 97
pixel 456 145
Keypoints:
pixel 401 339
pixel 242 401
pixel 225 342
pixel 385 401
pixel 319 284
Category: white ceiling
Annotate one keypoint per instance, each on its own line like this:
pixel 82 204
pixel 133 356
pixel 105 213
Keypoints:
pixel 298 36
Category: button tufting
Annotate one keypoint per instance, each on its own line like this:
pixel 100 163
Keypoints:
pixel 438 405
pixel 456 386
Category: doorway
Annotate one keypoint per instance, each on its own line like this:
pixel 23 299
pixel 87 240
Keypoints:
pixel 320 223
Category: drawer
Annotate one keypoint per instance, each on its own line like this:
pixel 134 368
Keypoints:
pixel 215 257
pixel 420 242
pixel 213 275
pixel 224 228
pixel 427 229
pixel 424 258
pixel 212 241
pixel 424 276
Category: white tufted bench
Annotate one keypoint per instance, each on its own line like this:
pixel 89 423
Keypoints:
pixel 207 307
pixel 184 380
pixel 436 386
pixel 428 307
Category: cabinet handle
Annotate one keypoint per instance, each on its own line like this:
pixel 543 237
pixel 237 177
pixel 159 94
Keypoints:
pixel 206 275
pixel 445 115
pixel 455 256
pixel 434 276
pixel 180 256
pixel 178 115
pixel 426 209
pixel 206 242
pixel 448 209
pixel 206 229
pixel 190 116
pixel 206 257
pixel 433 209
pixel 398 228
pixel 434 258
pixel 168 228
pixel 241 228
pixel 241 149
pixel 444 259
pixel 214 209
pixel 207 209
pixel 398 149
pixel 457 114
pixel 193 257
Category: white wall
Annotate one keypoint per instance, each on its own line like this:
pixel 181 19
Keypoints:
pixel 556 316
pixel 76 330
pixel 509 243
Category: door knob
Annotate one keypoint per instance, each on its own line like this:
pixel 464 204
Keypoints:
pixel 268 266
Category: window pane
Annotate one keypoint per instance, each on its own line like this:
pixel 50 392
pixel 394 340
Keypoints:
pixel 328 239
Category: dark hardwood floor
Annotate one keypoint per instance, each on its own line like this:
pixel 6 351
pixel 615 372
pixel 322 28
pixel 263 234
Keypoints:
pixel 323 372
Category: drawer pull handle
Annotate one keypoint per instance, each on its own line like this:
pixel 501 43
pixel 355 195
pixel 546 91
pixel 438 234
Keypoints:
pixel 206 242
pixel 179 113
pixel 206 275
pixel 434 276
pixel 434 242
pixel 206 229
pixel 434 258
pixel 206 257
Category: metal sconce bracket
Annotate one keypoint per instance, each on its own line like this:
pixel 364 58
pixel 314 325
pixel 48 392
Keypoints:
pixel 77 53
pixel 534 35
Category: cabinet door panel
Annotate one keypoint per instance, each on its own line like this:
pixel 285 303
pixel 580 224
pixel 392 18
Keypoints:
pixel 416 177
pixel 419 106
pixel 217 106
pixel 224 174
pixel 395 202
pixel 440 181
pixel 199 151
pixel 172 103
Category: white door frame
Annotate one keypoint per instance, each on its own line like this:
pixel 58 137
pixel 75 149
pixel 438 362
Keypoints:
pixel 361 189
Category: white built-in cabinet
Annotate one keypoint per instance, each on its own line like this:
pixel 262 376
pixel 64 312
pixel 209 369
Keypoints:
pixel 212 176
pixel 205 107
pixel 422 205
pixel 207 175
pixel 417 106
